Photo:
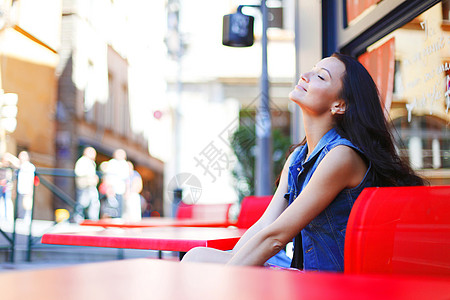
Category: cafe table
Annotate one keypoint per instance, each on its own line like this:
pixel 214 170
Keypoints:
pixel 159 279
pixel 156 222
pixel 180 239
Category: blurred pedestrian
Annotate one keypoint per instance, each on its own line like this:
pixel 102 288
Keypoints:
pixel 25 186
pixel 109 204
pixel 117 176
pixel 133 211
pixel 146 203
pixel 86 180
pixel 6 178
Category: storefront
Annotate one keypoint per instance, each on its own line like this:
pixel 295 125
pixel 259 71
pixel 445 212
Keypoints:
pixel 406 47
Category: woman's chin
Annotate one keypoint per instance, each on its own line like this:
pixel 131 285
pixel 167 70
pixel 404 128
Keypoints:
pixel 293 97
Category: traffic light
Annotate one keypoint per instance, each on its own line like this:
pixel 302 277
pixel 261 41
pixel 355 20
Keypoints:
pixel 8 111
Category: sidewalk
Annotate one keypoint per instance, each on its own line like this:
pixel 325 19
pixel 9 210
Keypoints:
pixel 49 256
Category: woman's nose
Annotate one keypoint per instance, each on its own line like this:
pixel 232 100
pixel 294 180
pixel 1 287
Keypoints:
pixel 304 77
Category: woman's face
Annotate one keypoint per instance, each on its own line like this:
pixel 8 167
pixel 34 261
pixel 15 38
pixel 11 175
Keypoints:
pixel 318 89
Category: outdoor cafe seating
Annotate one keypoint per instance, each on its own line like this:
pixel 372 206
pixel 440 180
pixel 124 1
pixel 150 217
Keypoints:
pixel 397 247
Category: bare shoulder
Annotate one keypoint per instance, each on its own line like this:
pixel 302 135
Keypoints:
pixel 346 154
pixel 345 162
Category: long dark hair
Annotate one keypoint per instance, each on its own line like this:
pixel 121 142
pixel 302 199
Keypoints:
pixel 365 125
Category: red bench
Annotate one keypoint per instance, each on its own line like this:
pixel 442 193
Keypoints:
pixel 401 230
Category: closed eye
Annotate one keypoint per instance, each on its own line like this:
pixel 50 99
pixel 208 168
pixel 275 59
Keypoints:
pixel 321 77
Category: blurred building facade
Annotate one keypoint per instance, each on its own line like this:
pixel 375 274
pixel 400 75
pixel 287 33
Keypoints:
pixel 29 46
pixel 210 84
pixel 67 64
pixel 94 105
pixel 95 68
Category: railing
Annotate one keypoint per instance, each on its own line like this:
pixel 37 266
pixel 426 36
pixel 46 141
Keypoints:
pixel 55 190
pixel 67 199
pixel 10 239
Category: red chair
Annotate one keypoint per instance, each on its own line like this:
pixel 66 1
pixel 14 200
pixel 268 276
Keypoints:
pixel 399 230
pixel 184 211
pixel 252 208
pixel 203 211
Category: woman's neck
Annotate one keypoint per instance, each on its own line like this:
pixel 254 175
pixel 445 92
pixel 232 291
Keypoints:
pixel 315 129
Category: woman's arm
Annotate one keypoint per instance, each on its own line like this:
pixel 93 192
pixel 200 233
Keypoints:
pixel 276 206
pixel 341 168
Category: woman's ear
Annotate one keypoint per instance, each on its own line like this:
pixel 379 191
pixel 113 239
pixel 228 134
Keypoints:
pixel 338 107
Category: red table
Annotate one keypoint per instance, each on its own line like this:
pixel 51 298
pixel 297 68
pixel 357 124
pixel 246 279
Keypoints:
pixel 158 279
pixel 156 222
pixel 180 239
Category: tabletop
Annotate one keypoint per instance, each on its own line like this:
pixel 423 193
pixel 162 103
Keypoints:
pixel 158 279
pixel 156 222
pixel 180 239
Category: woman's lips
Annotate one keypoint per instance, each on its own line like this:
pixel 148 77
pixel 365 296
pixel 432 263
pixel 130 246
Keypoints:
pixel 299 87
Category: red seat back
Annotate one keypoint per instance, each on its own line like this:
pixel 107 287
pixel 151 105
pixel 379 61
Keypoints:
pixel 399 230
pixel 252 208
pixel 217 212
pixel 184 211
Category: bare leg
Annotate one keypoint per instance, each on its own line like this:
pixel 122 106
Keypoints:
pixel 207 255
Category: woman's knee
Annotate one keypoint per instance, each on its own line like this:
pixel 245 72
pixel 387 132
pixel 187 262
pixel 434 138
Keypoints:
pixel 197 254
pixel 204 254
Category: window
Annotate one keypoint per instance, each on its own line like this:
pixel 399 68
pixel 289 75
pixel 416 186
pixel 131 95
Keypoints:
pixel 89 94
pixel 109 109
pixel 425 142
pixel 419 81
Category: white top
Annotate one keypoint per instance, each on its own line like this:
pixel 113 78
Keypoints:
pixel 118 173
pixel 25 178
pixel 85 170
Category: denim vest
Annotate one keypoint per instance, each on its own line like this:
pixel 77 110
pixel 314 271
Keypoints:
pixel 320 245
